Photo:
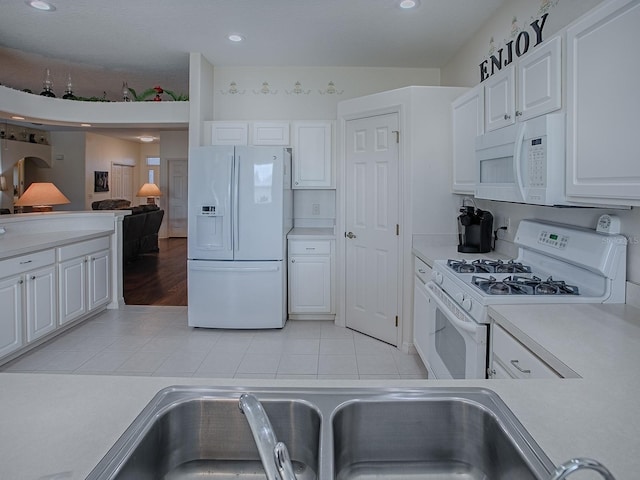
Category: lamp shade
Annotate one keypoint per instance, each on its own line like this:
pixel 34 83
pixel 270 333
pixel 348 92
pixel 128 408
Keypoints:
pixel 42 194
pixel 149 190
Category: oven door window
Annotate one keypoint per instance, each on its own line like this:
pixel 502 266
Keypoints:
pixel 450 346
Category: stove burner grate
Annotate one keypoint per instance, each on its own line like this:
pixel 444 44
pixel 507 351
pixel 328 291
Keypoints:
pixel 487 266
pixel 517 285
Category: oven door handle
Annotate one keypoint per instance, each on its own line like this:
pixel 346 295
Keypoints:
pixel 469 326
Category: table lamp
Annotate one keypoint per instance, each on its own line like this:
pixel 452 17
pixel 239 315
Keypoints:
pixel 151 191
pixel 41 196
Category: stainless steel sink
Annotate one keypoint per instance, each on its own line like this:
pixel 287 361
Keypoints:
pixel 433 438
pixel 187 433
pixel 331 434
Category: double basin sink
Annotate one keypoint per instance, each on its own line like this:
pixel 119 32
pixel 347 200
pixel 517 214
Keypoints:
pixel 342 434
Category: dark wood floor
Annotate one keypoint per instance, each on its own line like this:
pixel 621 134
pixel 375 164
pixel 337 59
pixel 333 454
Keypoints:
pixel 158 278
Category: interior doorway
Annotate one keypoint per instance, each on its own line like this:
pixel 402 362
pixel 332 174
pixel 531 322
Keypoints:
pixel 178 188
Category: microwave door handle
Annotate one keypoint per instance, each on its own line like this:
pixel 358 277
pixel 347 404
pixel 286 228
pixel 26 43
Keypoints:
pixel 517 160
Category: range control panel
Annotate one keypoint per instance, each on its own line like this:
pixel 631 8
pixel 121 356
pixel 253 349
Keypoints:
pixel 553 239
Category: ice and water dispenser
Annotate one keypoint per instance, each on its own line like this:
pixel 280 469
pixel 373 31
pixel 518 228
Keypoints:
pixel 210 228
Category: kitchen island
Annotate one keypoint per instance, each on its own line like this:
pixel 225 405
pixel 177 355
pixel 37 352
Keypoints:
pixel 60 426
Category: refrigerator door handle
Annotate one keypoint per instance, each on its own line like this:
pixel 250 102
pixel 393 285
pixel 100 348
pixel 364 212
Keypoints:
pixel 236 203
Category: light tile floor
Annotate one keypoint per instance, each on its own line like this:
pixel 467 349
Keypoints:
pixel 156 341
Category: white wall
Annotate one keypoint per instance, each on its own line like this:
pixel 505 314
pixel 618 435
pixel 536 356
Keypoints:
pixel 68 168
pixel 464 71
pixel 101 152
pixel 280 105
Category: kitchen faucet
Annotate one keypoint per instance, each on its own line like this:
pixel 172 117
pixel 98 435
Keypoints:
pixel 576 464
pixel 273 454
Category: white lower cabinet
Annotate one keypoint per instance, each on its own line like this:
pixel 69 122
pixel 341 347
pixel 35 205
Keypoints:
pixel 511 359
pixel 310 277
pixel 11 294
pixel 27 299
pixel 41 302
pixel 84 279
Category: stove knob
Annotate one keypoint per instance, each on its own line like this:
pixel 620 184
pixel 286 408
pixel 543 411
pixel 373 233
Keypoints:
pixel 459 298
pixel 467 304
pixel 437 277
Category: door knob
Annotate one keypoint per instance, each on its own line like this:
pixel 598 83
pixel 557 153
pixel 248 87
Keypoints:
pixel 349 235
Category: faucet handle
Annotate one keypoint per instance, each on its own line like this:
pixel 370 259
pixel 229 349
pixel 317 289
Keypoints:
pixel 576 464
pixel 283 461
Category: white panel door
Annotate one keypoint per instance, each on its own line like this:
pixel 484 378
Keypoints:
pixel 178 202
pixel 259 204
pixel 372 197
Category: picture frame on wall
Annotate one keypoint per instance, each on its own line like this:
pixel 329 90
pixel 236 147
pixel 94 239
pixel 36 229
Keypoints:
pixel 101 182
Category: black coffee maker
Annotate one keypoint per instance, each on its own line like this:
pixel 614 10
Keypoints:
pixel 474 230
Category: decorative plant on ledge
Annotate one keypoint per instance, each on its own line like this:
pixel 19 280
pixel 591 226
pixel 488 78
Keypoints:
pixel 157 91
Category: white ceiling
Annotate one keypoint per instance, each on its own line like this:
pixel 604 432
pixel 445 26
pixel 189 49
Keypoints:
pixel 155 37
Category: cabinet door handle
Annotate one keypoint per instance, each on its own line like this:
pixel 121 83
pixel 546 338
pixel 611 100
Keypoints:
pixel 293 260
pixel 507 117
pixel 33 277
pixel 422 270
pixel 25 262
pixel 20 282
pixel 515 363
pixel 518 113
pixel 310 248
pixel 350 235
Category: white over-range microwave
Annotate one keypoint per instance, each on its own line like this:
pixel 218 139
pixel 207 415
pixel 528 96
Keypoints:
pixel 524 162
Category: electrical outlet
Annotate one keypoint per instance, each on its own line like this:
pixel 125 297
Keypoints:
pixel 315 209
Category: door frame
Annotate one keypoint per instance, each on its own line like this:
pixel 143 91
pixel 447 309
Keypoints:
pixel 168 196
pixel 355 109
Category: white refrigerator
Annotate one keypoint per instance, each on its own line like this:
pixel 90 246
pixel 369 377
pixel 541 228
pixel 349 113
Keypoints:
pixel 240 211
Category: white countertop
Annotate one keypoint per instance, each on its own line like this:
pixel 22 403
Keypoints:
pixel 64 424
pixel 442 247
pixel 311 233
pixel 23 243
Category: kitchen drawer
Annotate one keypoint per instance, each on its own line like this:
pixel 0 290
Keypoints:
pixel 421 270
pixel 519 361
pixel 310 247
pixel 24 263
pixel 80 249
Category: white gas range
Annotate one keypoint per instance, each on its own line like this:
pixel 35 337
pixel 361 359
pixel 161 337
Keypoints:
pixel 555 264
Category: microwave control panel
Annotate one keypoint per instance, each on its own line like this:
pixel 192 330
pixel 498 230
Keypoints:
pixel 536 160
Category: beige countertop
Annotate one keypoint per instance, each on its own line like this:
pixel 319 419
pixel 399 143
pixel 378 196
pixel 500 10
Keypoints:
pixel 23 243
pixel 311 233
pixel 429 248
pixel 60 426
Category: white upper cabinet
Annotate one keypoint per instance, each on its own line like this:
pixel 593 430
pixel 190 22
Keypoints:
pixel 603 102
pixel 540 80
pixel 468 123
pixel 270 133
pixel 312 155
pixel 527 89
pixel 500 94
pixel 226 133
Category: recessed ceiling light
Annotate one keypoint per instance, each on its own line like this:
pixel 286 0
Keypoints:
pixel 407 4
pixel 234 37
pixel 146 139
pixel 41 5
pixel 17 117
